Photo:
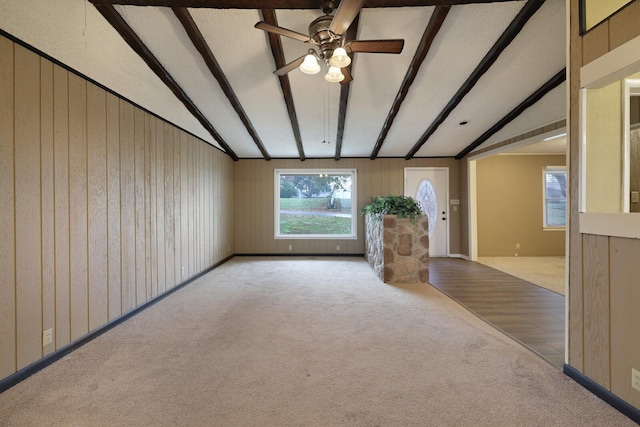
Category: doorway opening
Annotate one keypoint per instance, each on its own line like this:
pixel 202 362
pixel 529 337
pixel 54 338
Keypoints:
pixel 518 204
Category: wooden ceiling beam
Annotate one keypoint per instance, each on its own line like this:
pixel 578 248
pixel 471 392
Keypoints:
pixel 551 84
pixel 351 34
pixel 500 45
pixel 132 39
pixel 201 45
pixel 269 16
pixel 430 33
pixel 282 4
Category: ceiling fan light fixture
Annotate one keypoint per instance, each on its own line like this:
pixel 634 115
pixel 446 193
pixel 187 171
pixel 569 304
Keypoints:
pixel 334 75
pixel 340 59
pixel 310 65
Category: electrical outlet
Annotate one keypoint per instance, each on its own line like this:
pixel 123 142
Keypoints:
pixel 290 247
pixel 182 270
pixel 337 247
pixel 47 337
pixel 517 245
pixel 635 379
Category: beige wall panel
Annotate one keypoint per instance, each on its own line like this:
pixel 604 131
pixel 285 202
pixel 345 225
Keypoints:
pixel 625 317
pixel 596 303
pixel 113 206
pixel 596 42
pixel 160 264
pixel 138 138
pixel 254 204
pixel 78 205
pixel 169 229
pixel 47 202
pixel 148 282
pixel 62 333
pixel 27 207
pixel 575 346
pixel 68 247
pixel 127 207
pixel 205 209
pixel 510 207
pixel 216 200
pixel 97 206
pixel 7 217
pixel 623 26
pixel 151 162
pixel 190 266
pixel 199 186
pixel 177 206
pixel 185 210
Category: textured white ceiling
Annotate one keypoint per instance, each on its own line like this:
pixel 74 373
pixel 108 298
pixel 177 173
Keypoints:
pixel 377 77
pixel 526 64
pixel 73 32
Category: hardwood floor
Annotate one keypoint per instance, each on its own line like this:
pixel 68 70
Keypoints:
pixel 528 313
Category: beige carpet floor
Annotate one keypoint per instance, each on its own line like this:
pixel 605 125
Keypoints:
pixel 547 272
pixel 303 342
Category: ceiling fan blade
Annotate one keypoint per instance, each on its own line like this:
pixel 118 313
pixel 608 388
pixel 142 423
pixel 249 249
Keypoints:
pixel 282 31
pixel 347 76
pixel 290 66
pixel 346 13
pixel 375 46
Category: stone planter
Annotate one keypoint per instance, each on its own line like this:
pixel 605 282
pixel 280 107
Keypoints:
pixel 398 249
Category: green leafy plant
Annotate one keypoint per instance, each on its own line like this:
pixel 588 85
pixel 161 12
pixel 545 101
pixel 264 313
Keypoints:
pixel 403 206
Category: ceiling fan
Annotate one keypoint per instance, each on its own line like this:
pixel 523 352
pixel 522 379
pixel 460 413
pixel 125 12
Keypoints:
pixel 328 33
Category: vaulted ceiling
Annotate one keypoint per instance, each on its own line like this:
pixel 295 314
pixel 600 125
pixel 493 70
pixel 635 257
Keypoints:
pixel 471 73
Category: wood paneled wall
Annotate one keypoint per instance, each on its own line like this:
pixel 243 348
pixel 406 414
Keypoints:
pixel 254 201
pixel 104 206
pixel 604 343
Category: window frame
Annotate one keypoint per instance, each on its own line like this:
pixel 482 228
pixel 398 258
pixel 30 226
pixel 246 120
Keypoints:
pixel 324 171
pixel 546 170
pixel 618 64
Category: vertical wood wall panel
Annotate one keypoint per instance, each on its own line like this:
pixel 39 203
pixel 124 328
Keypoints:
pixel 625 317
pixel 27 207
pixel 184 207
pixel 159 265
pixel 62 335
pixel 47 206
pixel 177 206
pixel 7 219
pixel 78 205
pixel 191 198
pixel 110 202
pixel 97 206
pixel 168 230
pixel 596 303
pixel 139 213
pixel 113 206
pixel 603 314
pixel 151 196
pixel 127 208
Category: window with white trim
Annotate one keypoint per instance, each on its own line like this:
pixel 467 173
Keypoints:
pixel 554 189
pixel 315 204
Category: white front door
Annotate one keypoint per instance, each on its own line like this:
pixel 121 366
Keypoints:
pixel 430 186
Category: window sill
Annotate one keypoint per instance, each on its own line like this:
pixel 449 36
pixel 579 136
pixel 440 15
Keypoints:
pixel 611 224
pixel 554 228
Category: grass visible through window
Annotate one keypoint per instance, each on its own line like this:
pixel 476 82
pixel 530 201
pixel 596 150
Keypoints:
pixel 313 216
